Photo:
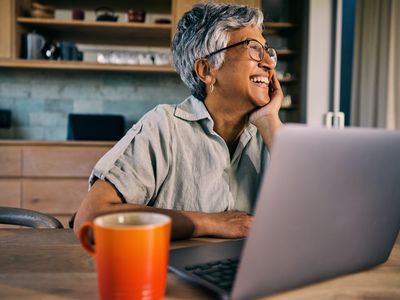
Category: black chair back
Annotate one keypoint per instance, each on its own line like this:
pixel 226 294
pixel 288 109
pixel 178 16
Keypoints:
pixel 26 217
pixel 91 127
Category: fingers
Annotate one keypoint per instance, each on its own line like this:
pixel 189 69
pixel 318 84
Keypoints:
pixel 233 224
pixel 274 83
pixel 275 91
pixel 275 80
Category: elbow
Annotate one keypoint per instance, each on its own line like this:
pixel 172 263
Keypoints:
pixel 77 223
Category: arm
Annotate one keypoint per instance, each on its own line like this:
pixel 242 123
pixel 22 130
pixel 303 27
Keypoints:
pixel 266 119
pixel 103 198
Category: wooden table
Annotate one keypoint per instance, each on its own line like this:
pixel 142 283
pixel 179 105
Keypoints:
pixel 51 264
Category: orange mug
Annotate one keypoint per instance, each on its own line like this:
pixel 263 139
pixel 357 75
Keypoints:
pixel 131 251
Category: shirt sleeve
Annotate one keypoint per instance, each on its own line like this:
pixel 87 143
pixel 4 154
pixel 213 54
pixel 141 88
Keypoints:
pixel 138 164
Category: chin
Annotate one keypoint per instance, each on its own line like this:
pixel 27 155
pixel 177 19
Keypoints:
pixel 260 102
pixel 261 98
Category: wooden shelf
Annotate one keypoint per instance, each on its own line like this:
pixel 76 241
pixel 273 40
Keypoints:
pixel 287 80
pixel 78 65
pixel 279 25
pixel 291 107
pixel 285 52
pixel 116 33
pixel 275 27
pixel 84 23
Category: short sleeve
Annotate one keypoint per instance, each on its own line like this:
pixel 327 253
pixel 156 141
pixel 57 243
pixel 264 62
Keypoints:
pixel 138 164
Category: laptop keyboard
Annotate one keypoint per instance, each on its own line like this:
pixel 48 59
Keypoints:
pixel 221 273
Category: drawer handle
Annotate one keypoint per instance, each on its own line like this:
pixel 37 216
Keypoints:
pixel 35 200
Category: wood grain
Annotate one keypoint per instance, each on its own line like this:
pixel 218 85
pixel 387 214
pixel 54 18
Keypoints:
pixel 54 196
pixel 60 161
pixel 5 28
pixel 79 65
pixel 10 192
pixel 10 161
pixel 51 264
pixel 47 176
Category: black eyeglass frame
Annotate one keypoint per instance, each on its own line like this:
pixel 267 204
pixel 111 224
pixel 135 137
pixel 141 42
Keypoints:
pixel 247 41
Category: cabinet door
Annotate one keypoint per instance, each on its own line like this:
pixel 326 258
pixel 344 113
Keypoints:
pixel 60 161
pixel 10 195
pixel 10 192
pixel 53 196
pixel 179 7
pixel 10 161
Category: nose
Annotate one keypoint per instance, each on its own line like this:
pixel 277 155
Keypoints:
pixel 267 63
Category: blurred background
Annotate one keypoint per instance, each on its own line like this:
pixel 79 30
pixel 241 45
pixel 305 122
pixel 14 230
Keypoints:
pixel 63 58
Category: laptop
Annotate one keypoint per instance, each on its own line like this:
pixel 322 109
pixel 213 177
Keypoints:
pixel 328 204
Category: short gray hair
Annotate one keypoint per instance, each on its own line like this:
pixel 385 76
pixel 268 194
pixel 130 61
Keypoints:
pixel 205 29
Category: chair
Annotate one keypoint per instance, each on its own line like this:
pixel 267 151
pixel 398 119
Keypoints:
pixel 26 217
pixel 91 127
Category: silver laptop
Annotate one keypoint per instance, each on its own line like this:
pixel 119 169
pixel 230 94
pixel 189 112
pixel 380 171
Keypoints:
pixel 329 204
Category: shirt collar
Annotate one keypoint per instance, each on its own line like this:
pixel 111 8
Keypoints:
pixel 192 109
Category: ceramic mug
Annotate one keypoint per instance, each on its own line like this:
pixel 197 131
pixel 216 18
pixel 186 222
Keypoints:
pixel 131 251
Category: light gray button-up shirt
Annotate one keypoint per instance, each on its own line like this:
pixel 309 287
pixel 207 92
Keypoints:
pixel 172 158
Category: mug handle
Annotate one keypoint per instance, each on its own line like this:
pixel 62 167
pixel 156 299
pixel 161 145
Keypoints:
pixel 84 237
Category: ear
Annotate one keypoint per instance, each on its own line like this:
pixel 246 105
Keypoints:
pixel 204 71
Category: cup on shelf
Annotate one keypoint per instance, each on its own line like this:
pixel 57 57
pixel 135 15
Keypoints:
pixel 133 58
pixel 78 14
pixel 51 50
pixel 136 15
pixel 33 45
pixel 161 59
pixel 145 59
pixel 131 251
pixel 106 14
pixel 103 58
pixel 115 58
pixel 69 51
pixel 287 101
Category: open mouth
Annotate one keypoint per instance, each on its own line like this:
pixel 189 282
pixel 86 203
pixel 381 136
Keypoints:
pixel 262 81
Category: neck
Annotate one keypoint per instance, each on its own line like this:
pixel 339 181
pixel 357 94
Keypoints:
pixel 229 120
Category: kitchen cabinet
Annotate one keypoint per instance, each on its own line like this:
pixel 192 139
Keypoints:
pixel 50 177
pixel 17 22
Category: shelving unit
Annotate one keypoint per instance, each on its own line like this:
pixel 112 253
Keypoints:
pixel 88 32
pixel 77 65
pixel 279 25
pixel 126 34
pixel 118 33
pixel 284 30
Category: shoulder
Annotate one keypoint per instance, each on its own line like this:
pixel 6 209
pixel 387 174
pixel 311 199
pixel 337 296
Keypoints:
pixel 159 119
pixel 168 116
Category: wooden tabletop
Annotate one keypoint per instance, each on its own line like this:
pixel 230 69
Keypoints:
pixel 51 264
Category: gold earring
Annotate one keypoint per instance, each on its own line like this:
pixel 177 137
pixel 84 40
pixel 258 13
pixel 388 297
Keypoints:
pixel 211 87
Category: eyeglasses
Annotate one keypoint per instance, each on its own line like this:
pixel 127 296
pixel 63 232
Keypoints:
pixel 255 48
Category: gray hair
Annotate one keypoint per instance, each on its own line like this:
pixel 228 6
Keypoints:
pixel 205 29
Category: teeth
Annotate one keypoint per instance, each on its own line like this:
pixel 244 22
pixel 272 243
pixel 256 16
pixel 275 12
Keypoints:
pixel 260 79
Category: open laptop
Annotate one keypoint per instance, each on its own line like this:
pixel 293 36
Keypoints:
pixel 329 204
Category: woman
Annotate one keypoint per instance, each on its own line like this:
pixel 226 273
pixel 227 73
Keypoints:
pixel 200 162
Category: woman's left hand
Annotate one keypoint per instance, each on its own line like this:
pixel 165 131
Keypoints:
pixel 272 108
pixel 266 118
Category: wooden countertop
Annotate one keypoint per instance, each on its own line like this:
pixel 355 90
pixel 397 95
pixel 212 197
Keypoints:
pixel 56 143
pixel 51 264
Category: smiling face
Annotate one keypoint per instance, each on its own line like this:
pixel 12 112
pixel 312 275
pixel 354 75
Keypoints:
pixel 241 80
